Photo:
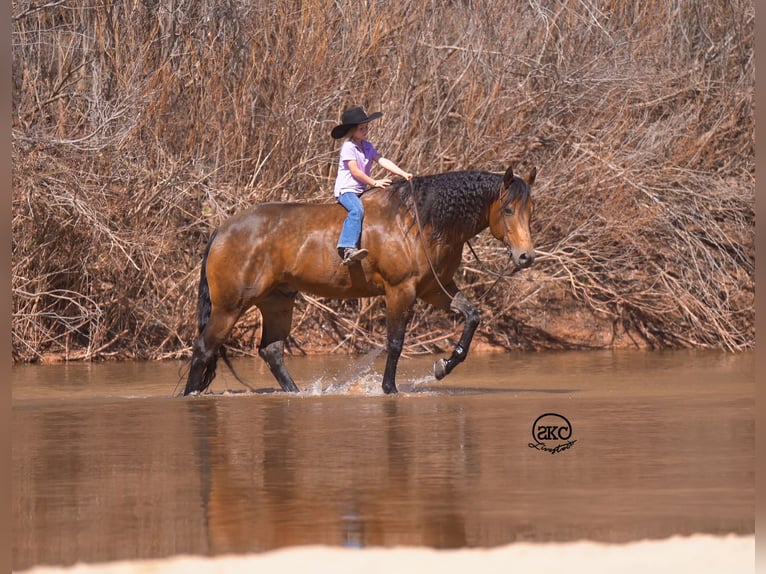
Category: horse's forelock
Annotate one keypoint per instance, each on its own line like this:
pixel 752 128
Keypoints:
pixel 518 189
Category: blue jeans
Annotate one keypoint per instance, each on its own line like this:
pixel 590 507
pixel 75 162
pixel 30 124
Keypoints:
pixel 352 227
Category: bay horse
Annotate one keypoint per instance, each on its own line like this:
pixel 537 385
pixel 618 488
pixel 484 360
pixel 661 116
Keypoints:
pixel 414 231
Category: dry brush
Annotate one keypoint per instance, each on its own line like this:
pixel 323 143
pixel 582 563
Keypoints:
pixel 138 126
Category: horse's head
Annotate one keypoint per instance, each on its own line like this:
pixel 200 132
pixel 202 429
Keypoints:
pixel 509 217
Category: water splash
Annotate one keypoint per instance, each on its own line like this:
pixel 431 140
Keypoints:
pixel 366 385
pixel 356 379
pixel 415 383
pixel 359 379
pixel 315 389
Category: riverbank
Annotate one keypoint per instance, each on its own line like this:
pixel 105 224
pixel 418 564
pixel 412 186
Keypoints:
pixel 699 554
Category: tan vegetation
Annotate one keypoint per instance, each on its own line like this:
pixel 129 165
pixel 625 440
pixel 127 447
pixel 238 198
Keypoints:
pixel 138 126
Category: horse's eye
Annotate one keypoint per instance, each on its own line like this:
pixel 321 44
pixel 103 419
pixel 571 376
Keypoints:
pixel 509 211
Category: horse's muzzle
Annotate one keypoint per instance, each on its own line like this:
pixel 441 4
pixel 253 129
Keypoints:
pixel 523 259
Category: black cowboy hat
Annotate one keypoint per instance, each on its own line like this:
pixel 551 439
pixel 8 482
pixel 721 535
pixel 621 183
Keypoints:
pixel 352 117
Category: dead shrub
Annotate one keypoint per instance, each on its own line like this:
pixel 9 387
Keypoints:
pixel 139 126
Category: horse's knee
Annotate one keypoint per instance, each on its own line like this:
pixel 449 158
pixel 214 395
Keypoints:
pixel 470 312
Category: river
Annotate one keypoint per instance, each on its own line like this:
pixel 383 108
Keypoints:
pixel 109 464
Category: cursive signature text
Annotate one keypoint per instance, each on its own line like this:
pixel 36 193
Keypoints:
pixel 555 449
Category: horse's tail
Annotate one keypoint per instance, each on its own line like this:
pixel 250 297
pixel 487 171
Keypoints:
pixel 204 304
pixel 203 361
pixel 204 308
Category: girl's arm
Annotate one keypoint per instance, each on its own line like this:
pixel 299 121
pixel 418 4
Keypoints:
pixel 359 175
pixel 387 164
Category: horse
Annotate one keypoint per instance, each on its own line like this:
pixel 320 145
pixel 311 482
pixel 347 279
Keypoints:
pixel 414 232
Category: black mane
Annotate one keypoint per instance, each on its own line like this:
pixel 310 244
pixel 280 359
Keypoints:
pixel 455 202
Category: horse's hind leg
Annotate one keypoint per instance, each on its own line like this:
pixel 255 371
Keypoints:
pixel 277 314
pixel 458 303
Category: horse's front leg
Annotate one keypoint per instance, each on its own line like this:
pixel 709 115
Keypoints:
pixel 277 315
pixel 459 303
pixel 399 303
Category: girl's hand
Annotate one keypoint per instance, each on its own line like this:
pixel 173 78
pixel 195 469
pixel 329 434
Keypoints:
pixel 407 176
pixel 385 182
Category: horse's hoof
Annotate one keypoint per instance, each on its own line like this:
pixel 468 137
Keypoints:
pixel 440 369
pixel 392 390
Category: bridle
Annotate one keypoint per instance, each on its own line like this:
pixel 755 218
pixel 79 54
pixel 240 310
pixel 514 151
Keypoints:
pixel 499 276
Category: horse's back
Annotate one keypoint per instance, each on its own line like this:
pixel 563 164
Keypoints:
pixel 281 213
pixel 282 220
pixel 286 247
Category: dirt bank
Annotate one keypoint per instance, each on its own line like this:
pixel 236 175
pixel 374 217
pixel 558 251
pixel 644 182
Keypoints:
pixel 698 554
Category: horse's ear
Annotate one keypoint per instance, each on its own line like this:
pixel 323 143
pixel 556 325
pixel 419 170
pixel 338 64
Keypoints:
pixel 532 175
pixel 508 177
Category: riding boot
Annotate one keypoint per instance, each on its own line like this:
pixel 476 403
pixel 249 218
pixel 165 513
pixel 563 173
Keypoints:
pixel 352 255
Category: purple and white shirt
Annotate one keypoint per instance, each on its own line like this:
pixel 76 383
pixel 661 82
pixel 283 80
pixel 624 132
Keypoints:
pixel 349 151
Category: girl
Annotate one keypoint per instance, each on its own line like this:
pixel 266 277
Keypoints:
pixel 356 157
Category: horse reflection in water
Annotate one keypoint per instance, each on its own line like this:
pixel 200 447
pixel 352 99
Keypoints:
pixel 414 232
pixel 264 482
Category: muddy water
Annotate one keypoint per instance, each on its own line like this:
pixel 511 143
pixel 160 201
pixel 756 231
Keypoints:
pixel 108 465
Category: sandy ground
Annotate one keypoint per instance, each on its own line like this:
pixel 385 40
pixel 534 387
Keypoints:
pixel 698 554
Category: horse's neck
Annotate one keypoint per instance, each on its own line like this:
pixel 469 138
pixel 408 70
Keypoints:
pixel 461 236
pixel 450 248
pixel 390 206
pixel 452 241
pixel 481 225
